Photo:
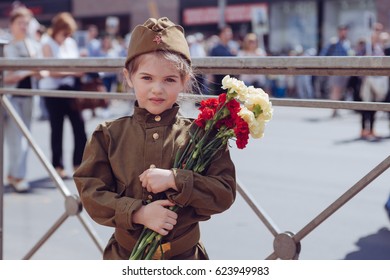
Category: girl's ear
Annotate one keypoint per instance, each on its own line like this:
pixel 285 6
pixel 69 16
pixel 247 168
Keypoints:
pixel 187 83
pixel 187 79
pixel 126 74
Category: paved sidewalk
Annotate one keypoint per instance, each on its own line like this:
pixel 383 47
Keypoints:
pixel 305 161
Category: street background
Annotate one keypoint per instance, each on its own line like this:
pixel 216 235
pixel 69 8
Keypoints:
pixel 305 161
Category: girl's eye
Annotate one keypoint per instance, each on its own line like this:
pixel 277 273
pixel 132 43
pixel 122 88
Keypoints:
pixel 170 80
pixel 147 78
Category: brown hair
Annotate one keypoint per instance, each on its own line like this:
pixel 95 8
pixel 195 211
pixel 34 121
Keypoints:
pixel 63 22
pixel 19 12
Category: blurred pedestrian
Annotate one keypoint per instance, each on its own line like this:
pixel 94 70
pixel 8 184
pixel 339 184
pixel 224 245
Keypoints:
pixel 44 114
pixel 20 46
pixel 385 37
pixel 107 50
pixel 373 88
pixel 197 50
pixel 60 44
pixel 339 46
pixel 304 83
pixel 221 49
pixel 250 47
pixel 354 82
pixel 93 44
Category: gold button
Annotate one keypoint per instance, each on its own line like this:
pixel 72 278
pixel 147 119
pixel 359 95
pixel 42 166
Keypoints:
pixel 152 166
pixel 150 197
pixel 155 136
pixel 157 118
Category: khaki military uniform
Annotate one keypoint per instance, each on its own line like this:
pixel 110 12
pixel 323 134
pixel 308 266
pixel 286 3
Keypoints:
pixel 110 189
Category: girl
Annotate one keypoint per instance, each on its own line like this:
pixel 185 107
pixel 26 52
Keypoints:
pixel 126 179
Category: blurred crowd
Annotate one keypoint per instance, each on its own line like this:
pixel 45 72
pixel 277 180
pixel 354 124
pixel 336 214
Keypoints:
pixel 63 39
pixel 94 42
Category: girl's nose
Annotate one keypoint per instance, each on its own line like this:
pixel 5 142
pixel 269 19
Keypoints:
pixel 157 88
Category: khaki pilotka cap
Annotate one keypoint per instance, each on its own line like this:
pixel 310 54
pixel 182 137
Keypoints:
pixel 158 34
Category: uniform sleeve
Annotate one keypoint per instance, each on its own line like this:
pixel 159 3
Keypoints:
pixel 211 193
pixel 102 197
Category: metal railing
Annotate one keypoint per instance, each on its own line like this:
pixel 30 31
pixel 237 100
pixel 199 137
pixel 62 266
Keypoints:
pixel 286 244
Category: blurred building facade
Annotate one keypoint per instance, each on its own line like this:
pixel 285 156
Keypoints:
pixel 282 24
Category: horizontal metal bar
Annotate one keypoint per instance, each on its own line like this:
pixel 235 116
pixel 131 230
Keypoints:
pixel 286 102
pixel 95 64
pixel 318 65
pixel 273 65
pixel 330 104
pixel 68 93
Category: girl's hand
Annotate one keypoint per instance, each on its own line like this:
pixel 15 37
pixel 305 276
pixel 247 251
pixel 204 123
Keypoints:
pixel 156 216
pixel 157 180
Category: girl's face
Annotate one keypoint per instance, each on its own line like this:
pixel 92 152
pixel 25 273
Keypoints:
pixel 157 83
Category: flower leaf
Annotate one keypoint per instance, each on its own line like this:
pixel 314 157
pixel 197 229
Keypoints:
pixel 257 110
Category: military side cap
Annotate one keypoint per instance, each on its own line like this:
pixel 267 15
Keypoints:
pixel 155 35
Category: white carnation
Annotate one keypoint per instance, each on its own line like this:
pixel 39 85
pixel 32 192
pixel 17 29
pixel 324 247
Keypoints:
pixel 256 129
pixel 234 85
pixel 247 115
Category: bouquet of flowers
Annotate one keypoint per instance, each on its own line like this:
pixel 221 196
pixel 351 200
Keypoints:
pixel 236 114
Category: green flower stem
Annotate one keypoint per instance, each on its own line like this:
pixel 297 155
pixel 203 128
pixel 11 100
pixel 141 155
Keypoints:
pixel 148 242
pixel 211 143
pixel 138 242
pixel 153 247
pixel 146 239
pixel 203 165
pixel 180 162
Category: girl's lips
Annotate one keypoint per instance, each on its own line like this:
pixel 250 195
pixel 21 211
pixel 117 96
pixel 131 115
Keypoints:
pixel 156 100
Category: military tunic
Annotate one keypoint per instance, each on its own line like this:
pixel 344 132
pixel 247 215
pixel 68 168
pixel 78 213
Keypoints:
pixel 110 190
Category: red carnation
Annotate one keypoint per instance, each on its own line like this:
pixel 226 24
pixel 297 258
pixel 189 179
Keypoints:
pixel 205 115
pixel 242 133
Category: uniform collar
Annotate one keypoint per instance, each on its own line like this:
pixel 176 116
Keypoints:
pixel 167 117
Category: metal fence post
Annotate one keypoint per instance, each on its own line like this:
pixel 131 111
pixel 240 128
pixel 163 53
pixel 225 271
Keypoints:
pixel 2 112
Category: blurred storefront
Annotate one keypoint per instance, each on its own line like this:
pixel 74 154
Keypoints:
pixel 129 12
pixel 44 9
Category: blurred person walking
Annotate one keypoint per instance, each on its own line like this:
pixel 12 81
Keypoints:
pixel 385 37
pixel 197 50
pixel 304 83
pixel 60 44
pixel 373 88
pixel 107 50
pixel 354 82
pixel 250 47
pixel 93 43
pixel 221 49
pixel 339 46
pixel 20 46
